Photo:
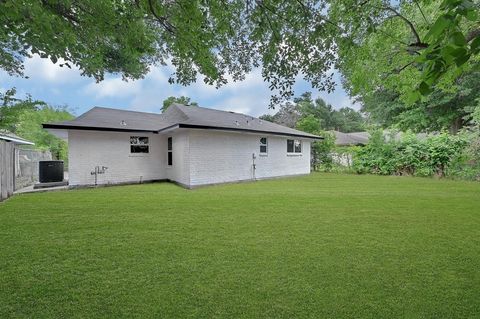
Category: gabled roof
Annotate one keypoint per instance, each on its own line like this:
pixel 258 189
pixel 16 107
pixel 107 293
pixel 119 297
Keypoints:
pixel 10 137
pixel 107 119
pixel 177 115
pixel 348 139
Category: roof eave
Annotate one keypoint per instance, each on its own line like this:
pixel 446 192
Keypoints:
pixel 94 128
pixel 221 128
pixel 194 126
pixel 16 140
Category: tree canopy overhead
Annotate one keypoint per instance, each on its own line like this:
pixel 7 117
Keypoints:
pixel 412 49
pixel 97 36
pixel 429 40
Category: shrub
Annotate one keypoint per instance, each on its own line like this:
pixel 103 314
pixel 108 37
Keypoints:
pixel 322 152
pixel 411 155
pixel 466 165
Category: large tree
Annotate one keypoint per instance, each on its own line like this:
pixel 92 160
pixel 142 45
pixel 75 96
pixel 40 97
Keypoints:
pixel 24 116
pixel 185 100
pixel 441 110
pixel 412 48
pixel 217 38
pixel 310 115
pixel 11 107
pixel 97 36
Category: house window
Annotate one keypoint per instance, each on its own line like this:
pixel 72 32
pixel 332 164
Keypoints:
pixel 139 144
pixel 263 145
pixel 169 149
pixel 294 146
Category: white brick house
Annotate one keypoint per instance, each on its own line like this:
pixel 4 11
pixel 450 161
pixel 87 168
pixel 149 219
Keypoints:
pixel 188 145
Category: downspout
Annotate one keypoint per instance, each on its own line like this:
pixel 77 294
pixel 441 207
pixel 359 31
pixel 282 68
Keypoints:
pixel 254 166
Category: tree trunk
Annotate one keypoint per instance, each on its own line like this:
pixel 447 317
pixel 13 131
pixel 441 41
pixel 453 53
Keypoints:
pixel 456 125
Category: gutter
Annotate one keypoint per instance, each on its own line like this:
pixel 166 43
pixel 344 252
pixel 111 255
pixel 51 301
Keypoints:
pixel 16 140
pixel 94 128
pixel 219 128
pixel 166 129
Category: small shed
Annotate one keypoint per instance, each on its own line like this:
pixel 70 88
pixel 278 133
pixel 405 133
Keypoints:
pixel 8 159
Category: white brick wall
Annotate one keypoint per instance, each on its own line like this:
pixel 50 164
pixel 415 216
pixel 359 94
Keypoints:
pixel 179 171
pixel 217 157
pixel 88 149
pixel 199 157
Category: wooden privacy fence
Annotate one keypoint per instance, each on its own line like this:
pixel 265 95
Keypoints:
pixel 7 170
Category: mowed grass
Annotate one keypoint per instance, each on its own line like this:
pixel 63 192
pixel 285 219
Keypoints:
pixel 320 246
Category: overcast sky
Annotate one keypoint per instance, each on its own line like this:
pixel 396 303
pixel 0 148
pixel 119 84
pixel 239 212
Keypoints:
pixel 63 86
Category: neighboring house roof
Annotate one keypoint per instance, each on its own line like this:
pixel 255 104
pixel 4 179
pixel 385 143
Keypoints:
pixel 8 136
pixel 176 116
pixel 349 139
pixel 361 138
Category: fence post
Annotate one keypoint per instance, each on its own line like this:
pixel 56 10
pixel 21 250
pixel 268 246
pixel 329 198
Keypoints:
pixel 3 184
pixel 7 162
pixel 10 168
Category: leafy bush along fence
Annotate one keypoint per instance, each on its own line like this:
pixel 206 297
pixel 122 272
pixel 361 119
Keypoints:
pixel 435 155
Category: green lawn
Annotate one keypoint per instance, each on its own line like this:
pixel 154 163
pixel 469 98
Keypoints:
pixel 320 246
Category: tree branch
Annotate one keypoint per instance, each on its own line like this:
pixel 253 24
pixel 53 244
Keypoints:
pixel 274 31
pixel 163 21
pixel 397 71
pixel 404 67
pixel 306 9
pixel 421 11
pixel 472 34
pixel 408 22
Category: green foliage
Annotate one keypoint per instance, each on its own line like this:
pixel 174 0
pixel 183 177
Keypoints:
pixel 467 162
pixel 322 152
pixel 97 36
pixel 25 117
pixel 414 41
pixel 453 39
pixel 180 100
pixel 476 114
pixel 411 49
pixel 345 119
pixel 12 107
pixel 288 114
pixel 439 111
pixel 311 115
pixel 267 117
pixel 410 155
pixel 30 128
pixel 309 124
pixel 316 117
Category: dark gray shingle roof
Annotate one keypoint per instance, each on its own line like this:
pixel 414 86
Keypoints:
pixel 362 138
pixel 99 118
pixel 347 139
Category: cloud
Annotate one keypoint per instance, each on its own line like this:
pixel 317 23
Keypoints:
pixel 250 96
pixel 114 87
pixel 37 68
pixel 57 85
